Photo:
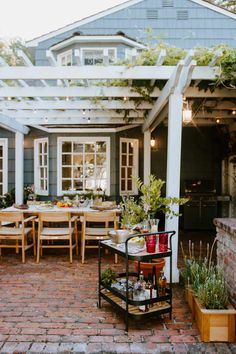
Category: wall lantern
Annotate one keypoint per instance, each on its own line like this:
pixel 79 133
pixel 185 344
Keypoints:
pixel 187 114
pixel 153 143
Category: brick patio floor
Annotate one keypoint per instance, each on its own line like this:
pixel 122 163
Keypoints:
pixel 51 307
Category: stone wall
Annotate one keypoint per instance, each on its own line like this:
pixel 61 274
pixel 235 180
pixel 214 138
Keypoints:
pixel 226 252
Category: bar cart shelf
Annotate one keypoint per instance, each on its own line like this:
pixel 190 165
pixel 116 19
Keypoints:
pixel 122 301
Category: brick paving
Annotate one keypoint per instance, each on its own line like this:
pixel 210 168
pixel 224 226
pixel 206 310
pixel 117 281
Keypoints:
pixel 51 307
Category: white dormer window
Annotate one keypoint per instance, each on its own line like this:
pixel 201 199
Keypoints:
pixel 96 56
pixel 65 58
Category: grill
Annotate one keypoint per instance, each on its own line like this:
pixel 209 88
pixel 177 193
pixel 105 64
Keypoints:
pixel 201 209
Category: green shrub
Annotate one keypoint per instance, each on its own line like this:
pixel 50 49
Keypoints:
pixel 213 294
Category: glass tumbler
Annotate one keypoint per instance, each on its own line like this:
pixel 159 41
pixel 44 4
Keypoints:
pixel 163 242
pixel 151 243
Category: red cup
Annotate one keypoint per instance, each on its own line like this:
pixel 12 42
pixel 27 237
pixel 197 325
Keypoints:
pixel 151 243
pixel 163 242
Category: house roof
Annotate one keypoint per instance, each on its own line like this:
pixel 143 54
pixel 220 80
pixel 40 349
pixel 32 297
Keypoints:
pixel 34 42
pixel 80 38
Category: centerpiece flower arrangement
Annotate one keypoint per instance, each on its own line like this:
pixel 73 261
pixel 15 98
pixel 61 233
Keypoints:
pixel 29 193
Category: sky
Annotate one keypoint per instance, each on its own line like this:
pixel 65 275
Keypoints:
pixel 27 19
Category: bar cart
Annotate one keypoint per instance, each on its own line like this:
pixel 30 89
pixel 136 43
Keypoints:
pixel 122 301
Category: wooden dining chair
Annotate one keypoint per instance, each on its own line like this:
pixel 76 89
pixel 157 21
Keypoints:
pixel 13 227
pixel 95 227
pixel 57 227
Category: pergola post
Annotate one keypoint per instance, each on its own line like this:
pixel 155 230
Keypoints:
pixel 173 171
pixel 146 155
pixel 19 167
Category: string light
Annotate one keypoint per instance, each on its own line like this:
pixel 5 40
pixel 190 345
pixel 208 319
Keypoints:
pixel 234 112
pixel 218 120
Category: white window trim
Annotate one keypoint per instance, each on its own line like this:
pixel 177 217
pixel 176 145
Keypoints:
pixel 36 167
pixel 61 55
pixel 135 164
pixel 4 144
pixel 88 139
pixel 96 48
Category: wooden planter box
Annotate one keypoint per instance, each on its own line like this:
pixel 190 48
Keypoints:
pixel 215 325
pixel 189 297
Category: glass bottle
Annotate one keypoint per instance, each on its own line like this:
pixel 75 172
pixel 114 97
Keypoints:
pixel 162 282
pixel 154 282
pixel 140 292
pixel 149 289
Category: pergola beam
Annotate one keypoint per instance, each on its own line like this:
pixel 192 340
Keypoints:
pixel 100 73
pixel 78 120
pixel 22 114
pixel 80 91
pixel 162 100
pixel 82 104
pixel 12 125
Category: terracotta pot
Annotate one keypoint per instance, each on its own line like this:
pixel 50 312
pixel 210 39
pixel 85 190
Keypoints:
pixel 147 267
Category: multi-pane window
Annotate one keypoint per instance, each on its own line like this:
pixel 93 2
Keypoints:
pixel 3 165
pixel 128 165
pixel 65 58
pixel 95 56
pixel 83 164
pixel 41 166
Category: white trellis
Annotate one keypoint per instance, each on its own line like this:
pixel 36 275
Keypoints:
pixel 51 97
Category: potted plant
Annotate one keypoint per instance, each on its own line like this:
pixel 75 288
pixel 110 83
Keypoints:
pixel 132 212
pixel 152 200
pixel 215 316
pixel 108 276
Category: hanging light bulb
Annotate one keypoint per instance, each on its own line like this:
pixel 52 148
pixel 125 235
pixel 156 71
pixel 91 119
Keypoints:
pixel 218 120
pixel 187 114
pixel 84 112
pixel 89 120
pixel 234 112
pixel 45 119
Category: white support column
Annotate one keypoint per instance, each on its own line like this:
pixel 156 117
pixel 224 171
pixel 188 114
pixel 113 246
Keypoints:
pixel 173 172
pixel 146 155
pixel 19 167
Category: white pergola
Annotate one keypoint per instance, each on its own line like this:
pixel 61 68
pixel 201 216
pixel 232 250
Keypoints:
pixel 82 99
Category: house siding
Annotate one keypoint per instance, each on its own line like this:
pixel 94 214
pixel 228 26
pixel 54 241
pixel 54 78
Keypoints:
pixel 204 27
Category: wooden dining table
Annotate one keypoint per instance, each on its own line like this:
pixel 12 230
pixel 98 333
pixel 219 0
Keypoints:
pixel 37 209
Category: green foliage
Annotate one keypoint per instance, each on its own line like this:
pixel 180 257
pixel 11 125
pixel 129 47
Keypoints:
pixel 131 211
pixel 212 293
pixel 151 199
pixel 8 51
pixel 8 199
pixel 108 276
pixel 228 4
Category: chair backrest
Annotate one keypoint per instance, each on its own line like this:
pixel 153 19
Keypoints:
pixel 101 216
pixel 11 216
pixel 53 217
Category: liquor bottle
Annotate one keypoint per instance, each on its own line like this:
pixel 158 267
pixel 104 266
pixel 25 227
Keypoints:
pixel 149 289
pixel 141 294
pixel 154 283
pixel 162 282
pixel 142 281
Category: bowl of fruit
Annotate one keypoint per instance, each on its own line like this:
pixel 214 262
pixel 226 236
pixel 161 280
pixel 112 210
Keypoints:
pixel 64 204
